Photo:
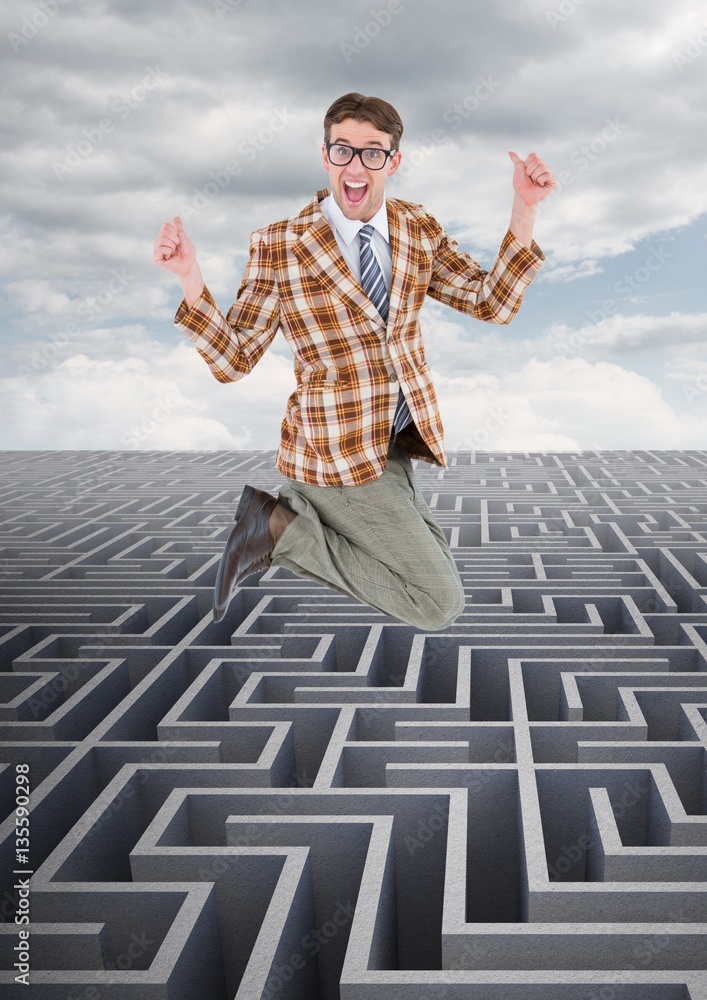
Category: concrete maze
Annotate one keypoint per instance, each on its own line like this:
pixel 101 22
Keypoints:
pixel 308 800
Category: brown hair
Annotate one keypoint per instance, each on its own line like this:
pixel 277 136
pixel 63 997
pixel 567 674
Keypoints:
pixel 365 109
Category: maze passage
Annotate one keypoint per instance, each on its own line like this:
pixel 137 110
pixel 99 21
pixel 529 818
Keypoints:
pixel 311 801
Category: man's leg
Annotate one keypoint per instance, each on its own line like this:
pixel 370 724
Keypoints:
pixel 378 543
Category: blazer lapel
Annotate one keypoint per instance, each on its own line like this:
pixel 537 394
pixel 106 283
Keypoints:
pixel 318 252
pixel 404 245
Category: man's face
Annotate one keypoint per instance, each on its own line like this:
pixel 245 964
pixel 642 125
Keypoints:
pixel 357 190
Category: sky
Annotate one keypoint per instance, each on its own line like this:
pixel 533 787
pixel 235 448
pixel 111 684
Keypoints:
pixel 118 115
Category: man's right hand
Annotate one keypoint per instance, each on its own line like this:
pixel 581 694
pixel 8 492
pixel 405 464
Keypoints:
pixel 173 250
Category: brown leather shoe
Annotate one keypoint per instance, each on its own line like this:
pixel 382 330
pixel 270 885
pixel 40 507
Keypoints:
pixel 248 548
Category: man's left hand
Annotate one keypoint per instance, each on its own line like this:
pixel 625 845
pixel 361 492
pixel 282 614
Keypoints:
pixel 532 178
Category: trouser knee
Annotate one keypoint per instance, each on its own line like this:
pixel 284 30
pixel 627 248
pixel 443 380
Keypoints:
pixel 446 610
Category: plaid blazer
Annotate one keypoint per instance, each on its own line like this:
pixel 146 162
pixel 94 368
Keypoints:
pixel 349 366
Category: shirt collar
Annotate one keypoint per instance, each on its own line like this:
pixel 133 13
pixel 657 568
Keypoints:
pixel 349 228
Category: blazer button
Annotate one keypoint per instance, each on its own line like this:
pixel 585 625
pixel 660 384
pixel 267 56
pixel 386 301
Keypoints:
pixel 393 378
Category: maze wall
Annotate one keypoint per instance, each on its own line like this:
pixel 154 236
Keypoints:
pixel 308 800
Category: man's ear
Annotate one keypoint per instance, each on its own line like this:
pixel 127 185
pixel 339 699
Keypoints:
pixel 325 158
pixel 395 161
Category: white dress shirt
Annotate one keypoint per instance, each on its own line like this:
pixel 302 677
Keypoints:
pixel 346 233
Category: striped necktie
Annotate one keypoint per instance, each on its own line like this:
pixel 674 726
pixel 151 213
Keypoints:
pixel 373 284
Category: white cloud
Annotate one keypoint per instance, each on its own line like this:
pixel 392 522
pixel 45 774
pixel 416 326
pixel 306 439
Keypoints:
pixel 563 404
pixel 616 333
pixel 599 94
pixel 123 390
pixel 571 272
pixel 465 347
pixel 139 394
pixel 35 296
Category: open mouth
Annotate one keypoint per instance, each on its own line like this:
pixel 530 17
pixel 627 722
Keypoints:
pixel 355 191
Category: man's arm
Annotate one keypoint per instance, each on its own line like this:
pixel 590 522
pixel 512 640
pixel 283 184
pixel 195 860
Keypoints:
pixel 230 345
pixel 495 296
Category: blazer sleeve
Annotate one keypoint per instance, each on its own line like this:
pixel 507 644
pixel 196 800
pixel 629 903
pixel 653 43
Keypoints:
pixel 493 296
pixel 231 346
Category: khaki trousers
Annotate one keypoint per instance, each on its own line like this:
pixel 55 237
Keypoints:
pixel 378 543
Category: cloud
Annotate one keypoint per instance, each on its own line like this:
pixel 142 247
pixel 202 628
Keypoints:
pixel 564 404
pixel 572 272
pixel 465 346
pixel 555 86
pixel 215 112
pixel 620 333
pixel 134 393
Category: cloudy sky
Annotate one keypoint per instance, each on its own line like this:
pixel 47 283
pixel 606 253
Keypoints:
pixel 119 114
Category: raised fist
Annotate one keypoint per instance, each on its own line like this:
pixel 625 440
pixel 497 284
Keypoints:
pixel 173 250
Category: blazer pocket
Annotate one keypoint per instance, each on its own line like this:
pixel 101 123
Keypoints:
pixel 322 380
pixel 331 415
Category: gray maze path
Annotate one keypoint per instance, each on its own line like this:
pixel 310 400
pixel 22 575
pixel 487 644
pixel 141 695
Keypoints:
pixel 308 800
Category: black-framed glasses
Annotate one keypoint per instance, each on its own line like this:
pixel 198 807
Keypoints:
pixel 372 157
